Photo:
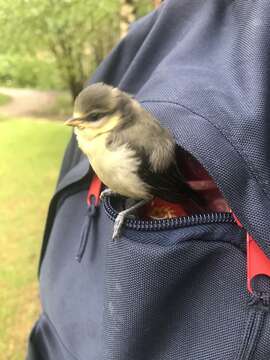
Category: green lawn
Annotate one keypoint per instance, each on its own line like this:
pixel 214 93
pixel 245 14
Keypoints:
pixel 4 99
pixel 31 152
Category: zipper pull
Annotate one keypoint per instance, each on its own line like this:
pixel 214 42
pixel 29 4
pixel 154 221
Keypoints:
pixel 257 262
pixel 92 204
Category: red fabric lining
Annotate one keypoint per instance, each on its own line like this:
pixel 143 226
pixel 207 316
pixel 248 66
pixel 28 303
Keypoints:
pixel 199 180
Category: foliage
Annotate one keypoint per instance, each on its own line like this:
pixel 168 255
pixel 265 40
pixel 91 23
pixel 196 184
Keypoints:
pixel 27 183
pixel 143 7
pixel 76 34
pixel 23 70
pixel 58 43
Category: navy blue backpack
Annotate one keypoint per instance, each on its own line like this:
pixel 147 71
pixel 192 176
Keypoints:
pixel 172 289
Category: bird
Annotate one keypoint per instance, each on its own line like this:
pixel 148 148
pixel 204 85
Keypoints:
pixel 129 150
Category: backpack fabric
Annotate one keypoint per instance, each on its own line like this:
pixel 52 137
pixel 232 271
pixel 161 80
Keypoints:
pixel 202 69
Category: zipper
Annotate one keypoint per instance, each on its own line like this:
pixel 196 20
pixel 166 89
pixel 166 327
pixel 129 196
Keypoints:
pixel 170 223
pixel 261 299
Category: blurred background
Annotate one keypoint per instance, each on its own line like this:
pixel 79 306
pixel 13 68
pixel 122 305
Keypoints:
pixel 48 49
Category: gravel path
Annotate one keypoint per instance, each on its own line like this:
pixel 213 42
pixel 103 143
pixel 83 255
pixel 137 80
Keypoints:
pixel 26 102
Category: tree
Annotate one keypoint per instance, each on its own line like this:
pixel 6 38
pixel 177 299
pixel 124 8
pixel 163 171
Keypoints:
pixel 69 30
pixel 75 34
pixel 156 3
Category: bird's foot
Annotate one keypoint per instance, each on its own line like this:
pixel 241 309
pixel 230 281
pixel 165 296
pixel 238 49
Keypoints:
pixel 105 193
pixel 119 221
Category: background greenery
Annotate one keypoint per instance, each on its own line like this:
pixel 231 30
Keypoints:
pixel 57 44
pixel 4 99
pixel 27 181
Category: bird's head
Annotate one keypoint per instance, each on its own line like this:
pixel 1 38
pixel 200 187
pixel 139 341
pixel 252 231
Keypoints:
pixel 98 109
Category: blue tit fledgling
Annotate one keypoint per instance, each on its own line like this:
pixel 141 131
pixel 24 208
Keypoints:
pixel 127 147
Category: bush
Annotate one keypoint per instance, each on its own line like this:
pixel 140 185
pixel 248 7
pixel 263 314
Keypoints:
pixel 25 71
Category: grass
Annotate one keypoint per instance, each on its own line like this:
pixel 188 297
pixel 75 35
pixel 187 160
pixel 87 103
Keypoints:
pixel 31 152
pixel 4 99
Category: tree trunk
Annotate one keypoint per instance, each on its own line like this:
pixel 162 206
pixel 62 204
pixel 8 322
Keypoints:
pixel 156 3
pixel 75 87
pixel 127 16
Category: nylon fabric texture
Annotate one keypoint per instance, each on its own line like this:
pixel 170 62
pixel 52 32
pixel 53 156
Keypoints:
pixel 202 69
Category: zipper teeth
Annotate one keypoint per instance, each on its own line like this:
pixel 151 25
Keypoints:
pixel 172 223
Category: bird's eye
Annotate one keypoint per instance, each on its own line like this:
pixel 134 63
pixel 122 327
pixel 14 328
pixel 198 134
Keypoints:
pixel 95 116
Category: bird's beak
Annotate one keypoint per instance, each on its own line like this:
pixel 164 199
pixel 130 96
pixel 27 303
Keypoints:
pixel 73 121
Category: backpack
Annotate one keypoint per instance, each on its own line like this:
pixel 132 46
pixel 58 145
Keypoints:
pixel 172 288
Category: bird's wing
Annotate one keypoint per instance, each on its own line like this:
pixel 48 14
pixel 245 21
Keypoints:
pixel 155 149
pixel 168 184
pixel 158 167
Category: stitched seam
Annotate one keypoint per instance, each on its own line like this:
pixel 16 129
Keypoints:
pixel 250 168
pixel 246 336
pixel 59 338
pixel 234 243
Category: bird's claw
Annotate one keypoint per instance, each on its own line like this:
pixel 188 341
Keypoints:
pixel 119 221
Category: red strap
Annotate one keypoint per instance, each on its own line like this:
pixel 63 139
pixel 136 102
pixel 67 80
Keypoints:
pixel 257 262
pixel 94 189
